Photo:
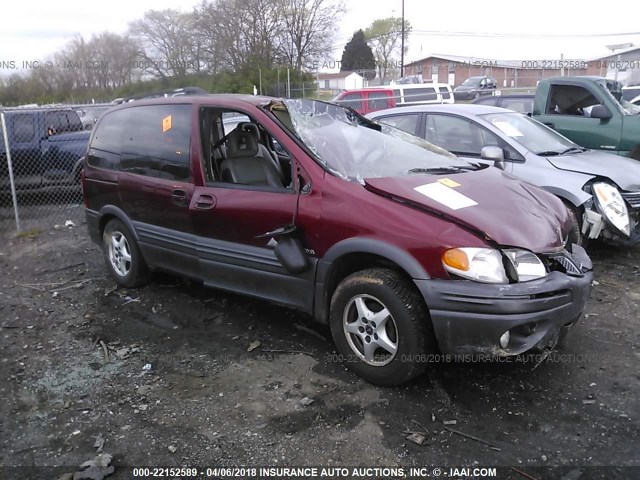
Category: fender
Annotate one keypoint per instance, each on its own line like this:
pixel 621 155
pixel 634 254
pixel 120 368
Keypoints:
pixel 358 245
pixel 120 215
pixel 574 197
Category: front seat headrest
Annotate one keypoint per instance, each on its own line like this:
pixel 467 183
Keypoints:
pixel 249 127
pixel 242 144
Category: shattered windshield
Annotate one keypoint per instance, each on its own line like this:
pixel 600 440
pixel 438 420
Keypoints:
pixel 354 148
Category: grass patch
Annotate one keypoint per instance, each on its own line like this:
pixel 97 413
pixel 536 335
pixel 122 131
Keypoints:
pixel 31 233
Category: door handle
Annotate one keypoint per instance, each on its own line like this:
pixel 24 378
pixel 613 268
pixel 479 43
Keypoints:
pixel 205 202
pixel 179 197
pixel 550 125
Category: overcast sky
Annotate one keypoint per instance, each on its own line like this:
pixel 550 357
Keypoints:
pixel 34 29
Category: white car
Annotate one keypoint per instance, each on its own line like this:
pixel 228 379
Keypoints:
pixel 421 93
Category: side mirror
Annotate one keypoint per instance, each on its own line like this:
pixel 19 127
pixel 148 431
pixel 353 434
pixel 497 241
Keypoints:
pixel 494 154
pixel 601 112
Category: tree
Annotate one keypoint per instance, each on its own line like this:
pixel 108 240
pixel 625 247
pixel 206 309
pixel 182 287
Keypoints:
pixel 358 56
pixel 385 38
pixel 309 29
pixel 166 38
pixel 116 56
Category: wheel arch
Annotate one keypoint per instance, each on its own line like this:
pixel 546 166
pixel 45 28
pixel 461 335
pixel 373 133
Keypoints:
pixel 109 212
pixel 355 254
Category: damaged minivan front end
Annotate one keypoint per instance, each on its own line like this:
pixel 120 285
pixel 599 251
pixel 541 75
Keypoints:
pixel 530 305
pixel 495 267
pixel 520 291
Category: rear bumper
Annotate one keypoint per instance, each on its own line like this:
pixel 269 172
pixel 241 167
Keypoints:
pixel 470 317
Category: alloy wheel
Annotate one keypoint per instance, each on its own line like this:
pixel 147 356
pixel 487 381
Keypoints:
pixel 370 330
pixel 119 253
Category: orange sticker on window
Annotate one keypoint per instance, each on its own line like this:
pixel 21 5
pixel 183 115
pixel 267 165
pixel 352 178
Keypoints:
pixel 166 123
pixel 449 183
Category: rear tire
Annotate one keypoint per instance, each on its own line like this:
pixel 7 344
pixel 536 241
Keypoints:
pixel 122 256
pixel 381 326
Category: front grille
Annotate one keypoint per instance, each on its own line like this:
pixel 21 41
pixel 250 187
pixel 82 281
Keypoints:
pixel 632 198
pixel 570 267
pixel 566 263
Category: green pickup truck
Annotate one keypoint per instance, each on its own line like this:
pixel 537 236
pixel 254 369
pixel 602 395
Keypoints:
pixel 591 112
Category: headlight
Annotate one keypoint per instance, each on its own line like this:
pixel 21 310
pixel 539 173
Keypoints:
pixel 526 264
pixel 479 264
pixel 611 206
pixel 486 264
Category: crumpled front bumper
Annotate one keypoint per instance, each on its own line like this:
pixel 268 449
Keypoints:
pixel 470 317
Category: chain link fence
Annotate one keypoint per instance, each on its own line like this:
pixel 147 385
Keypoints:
pixel 41 151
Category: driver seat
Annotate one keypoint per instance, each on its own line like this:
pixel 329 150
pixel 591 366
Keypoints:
pixel 244 165
pixel 263 151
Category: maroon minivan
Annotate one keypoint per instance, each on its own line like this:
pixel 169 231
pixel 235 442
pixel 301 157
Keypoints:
pixel 403 248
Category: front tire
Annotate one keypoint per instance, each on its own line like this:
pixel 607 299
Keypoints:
pixel 380 326
pixel 575 235
pixel 122 256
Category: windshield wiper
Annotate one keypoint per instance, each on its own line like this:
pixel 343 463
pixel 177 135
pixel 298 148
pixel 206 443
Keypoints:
pixel 548 153
pixel 437 170
pixel 573 149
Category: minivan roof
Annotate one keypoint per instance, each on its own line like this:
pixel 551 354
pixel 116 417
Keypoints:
pixel 231 98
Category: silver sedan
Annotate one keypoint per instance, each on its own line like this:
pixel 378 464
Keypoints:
pixel 601 190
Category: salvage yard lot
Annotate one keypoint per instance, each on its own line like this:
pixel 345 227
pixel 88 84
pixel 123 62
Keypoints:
pixel 74 350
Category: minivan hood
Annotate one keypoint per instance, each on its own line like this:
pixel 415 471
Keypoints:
pixel 508 211
pixel 624 171
pixel 465 88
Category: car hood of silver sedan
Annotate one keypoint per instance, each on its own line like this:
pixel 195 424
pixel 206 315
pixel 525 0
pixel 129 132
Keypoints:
pixel 624 171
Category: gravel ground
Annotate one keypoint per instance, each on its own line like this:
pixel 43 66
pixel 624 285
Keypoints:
pixel 177 374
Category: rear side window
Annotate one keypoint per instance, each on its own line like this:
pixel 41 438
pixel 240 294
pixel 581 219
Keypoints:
pixel 408 123
pixel 23 128
pixel 446 94
pixel 353 100
pixel 156 141
pixel 53 123
pixel 420 95
pixel 73 119
pixel 106 144
pixel 378 101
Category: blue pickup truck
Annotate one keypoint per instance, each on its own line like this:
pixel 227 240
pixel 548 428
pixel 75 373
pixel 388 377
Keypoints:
pixel 47 146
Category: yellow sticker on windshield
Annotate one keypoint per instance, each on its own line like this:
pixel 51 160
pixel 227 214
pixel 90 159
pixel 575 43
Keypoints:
pixel 449 183
pixel 166 124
